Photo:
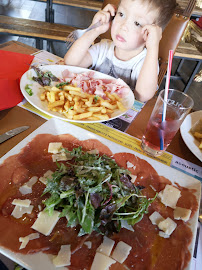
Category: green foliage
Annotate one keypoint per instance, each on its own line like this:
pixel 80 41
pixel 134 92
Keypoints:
pixel 93 191
pixel 28 89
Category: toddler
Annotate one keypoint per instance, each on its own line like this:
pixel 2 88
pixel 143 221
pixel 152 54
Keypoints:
pixel 132 54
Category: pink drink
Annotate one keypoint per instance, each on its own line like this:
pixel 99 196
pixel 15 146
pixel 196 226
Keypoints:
pixel 160 134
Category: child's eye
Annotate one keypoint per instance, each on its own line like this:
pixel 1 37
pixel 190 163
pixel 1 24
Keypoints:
pixel 137 24
pixel 120 14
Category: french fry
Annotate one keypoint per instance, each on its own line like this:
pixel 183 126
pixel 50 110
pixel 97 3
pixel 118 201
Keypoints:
pixel 116 96
pixel 69 97
pixel 68 115
pixel 198 135
pixel 80 110
pixel 76 93
pixel 120 106
pixel 43 96
pixel 77 105
pixel 109 111
pixel 55 89
pixel 76 98
pixel 90 101
pixel 112 97
pixel 93 118
pixel 56 104
pixel 51 96
pixel 67 105
pixel 82 115
pixel 104 110
pixel 101 116
pixel 95 109
pixel 61 95
pixel 108 105
pixel 72 88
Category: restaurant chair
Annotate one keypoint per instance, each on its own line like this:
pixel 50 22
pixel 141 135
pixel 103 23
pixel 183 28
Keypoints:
pixel 171 35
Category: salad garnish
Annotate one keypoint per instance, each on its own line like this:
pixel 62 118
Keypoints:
pixel 94 192
pixel 44 78
pixel 59 85
pixel 28 89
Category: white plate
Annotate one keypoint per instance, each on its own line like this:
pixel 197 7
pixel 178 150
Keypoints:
pixel 55 126
pixel 188 138
pixel 127 101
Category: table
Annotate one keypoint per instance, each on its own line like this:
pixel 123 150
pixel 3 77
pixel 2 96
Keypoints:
pixel 86 4
pixel 16 116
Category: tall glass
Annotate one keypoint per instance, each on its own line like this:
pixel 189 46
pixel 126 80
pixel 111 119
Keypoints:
pixel 159 133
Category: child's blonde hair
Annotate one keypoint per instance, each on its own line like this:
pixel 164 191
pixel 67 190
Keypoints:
pixel 166 9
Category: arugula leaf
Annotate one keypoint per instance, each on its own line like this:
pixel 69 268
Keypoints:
pixel 94 192
pixel 28 89
pixel 88 222
pixel 96 98
pixel 59 85
pixel 43 78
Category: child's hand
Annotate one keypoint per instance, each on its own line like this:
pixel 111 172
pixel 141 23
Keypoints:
pixel 104 16
pixel 152 35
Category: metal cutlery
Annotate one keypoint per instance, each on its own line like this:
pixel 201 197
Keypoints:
pixel 9 134
pixel 73 36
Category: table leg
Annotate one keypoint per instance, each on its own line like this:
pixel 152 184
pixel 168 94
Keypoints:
pixel 179 66
pixel 49 12
pixel 192 76
pixel 39 43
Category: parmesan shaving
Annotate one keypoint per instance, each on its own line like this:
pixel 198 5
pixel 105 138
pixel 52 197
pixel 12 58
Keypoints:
pixel 182 213
pixel 54 147
pixel 27 187
pixel 170 195
pixel 43 179
pixel 167 226
pixel 45 223
pixel 101 262
pixel 121 252
pixel 25 240
pixel 106 246
pixel 88 244
pixel 64 256
pixel 155 218
pixel 19 211
pixel 23 203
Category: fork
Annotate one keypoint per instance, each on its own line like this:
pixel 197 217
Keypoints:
pixel 73 36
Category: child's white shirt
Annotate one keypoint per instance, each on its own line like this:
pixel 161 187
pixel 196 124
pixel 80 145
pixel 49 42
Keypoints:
pixel 105 61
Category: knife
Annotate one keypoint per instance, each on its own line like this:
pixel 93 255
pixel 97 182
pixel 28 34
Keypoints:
pixel 9 134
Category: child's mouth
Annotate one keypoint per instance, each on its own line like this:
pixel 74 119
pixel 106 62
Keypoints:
pixel 120 38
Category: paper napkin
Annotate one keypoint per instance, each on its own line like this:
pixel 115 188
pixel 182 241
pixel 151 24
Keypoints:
pixel 12 67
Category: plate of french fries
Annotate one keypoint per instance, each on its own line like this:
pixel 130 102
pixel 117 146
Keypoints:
pixel 191 131
pixel 69 102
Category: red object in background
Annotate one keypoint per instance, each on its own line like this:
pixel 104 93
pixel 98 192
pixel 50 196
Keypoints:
pixel 198 22
pixel 12 67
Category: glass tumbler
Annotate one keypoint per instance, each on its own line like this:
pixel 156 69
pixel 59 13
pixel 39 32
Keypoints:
pixel 162 126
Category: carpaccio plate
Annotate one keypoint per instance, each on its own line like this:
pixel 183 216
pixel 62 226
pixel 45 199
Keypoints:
pixel 127 100
pixel 43 261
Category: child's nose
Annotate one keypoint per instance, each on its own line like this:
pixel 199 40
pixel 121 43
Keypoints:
pixel 124 25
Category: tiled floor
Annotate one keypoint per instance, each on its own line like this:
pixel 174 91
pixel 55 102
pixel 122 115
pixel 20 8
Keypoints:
pixel 82 18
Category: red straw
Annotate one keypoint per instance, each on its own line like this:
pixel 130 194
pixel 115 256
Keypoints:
pixel 170 58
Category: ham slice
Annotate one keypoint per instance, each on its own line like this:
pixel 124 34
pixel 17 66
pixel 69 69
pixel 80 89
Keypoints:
pixel 95 86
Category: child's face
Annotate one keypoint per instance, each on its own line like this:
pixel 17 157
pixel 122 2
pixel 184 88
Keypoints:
pixel 126 30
